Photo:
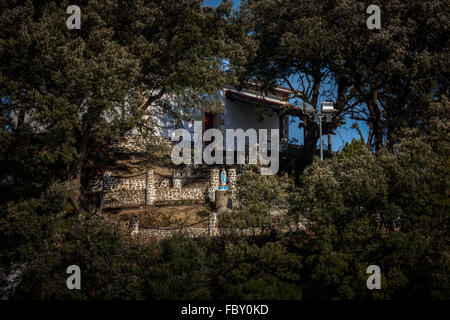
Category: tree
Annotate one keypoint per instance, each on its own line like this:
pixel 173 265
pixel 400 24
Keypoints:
pixel 269 271
pixel 396 71
pixel 295 46
pixel 389 209
pixel 42 239
pixel 259 197
pixel 68 93
pixel 179 268
pixel 323 50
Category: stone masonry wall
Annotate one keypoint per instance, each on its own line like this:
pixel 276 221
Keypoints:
pixel 170 194
pixel 145 189
pixel 130 143
pixel 137 143
pixel 124 198
pixel 122 191
pixel 213 184
pixel 168 232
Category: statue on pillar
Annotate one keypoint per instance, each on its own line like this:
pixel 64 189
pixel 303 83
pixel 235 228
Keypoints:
pixel 223 180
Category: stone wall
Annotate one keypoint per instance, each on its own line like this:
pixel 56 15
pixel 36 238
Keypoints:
pixel 212 231
pixel 124 198
pixel 162 233
pixel 137 143
pixel 162 183
pixel 130 143
pixel 117 191
pixel 145 189
pixel 171 194
pixel 213 184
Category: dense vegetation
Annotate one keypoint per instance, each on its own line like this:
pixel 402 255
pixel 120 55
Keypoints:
pixel 383 201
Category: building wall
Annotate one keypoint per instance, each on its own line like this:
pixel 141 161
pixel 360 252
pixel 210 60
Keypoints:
pixel 163 123
pixel 238 115
pixel 244 115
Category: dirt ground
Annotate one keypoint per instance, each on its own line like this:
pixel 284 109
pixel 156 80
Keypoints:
pixel 127 165
pixel 164 215
pixel 136 164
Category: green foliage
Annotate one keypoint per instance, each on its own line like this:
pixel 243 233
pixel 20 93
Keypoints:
pixel 353 147
pixel 40 236
pixel 36 236
pixel 179 269
pixel 389 209
pixel 204 213
pixel 258 195
pixel 248 271
pixel 66 94
pixel 324 50
pixel 106 260
pixel 70 93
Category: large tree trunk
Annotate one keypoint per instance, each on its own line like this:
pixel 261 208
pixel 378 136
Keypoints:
pixel 310 127
pixel 77 197
pixel 310 137
pixel 375 119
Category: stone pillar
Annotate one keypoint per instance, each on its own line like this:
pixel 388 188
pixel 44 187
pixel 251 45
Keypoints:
pixel 214 184
pixel 223 200
pixel 150 190
pixel 177 183
pixel 214 178
pixel 106 182
pixel 176 179
pixel 213 229
pixel 106 187
pixel 232 179
pixel 233 189
pixel 176 174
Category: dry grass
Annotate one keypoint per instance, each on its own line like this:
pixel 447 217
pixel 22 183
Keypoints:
pixel 159 216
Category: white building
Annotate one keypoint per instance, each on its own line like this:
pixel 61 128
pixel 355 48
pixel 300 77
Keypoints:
pixel 245 109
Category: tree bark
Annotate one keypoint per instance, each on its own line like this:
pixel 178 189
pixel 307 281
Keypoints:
pixel 74 182
pixel 375 119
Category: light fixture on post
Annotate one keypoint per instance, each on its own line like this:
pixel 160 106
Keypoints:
pixel 308 108
pixel 327 110
pixel 327 107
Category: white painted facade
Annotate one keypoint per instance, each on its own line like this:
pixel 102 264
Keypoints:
pixel 243 110
pixel 247 115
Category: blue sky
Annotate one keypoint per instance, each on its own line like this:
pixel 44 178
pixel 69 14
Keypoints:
pixel 215 3
pixel 342 135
